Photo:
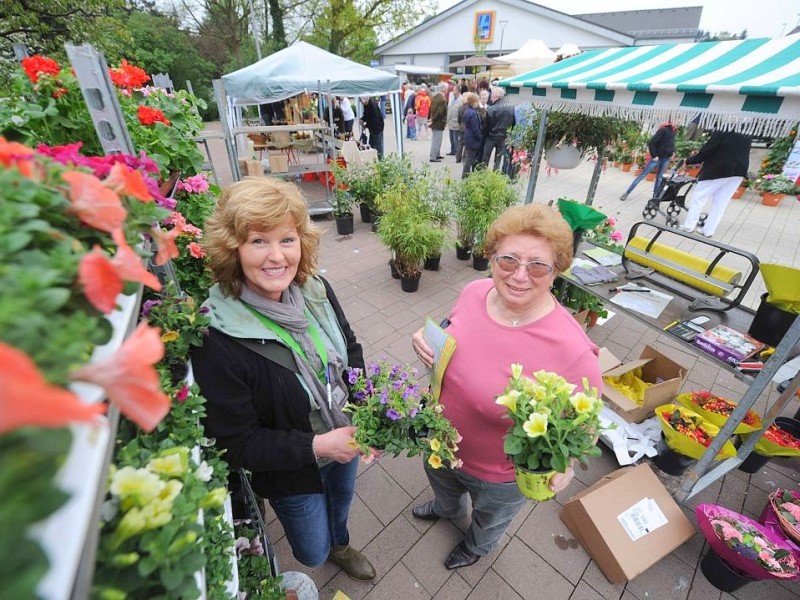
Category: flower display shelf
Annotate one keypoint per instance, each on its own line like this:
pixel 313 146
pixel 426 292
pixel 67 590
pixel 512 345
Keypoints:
pixel 67 535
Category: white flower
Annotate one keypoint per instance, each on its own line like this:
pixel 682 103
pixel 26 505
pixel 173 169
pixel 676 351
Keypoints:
pixel 204 472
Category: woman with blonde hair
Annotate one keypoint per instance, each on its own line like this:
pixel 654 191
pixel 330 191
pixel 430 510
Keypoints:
pixel 272 368
pixel 511 318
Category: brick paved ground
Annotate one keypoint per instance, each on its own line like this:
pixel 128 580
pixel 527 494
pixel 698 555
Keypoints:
pixel 408 553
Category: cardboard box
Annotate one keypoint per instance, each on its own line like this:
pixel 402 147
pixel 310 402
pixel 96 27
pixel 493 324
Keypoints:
pixel 627 522
pixel 278 163
pixel 666 375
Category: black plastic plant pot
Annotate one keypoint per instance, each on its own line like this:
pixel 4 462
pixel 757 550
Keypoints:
pixel 393 268
pixel 755 461
pixel 463 253
pixel 770 323
pixel 720 574
pixel 480 263
pixel 344 225
pixel 669 461
pixel 366 213
pixel 432 263
pixel 410 284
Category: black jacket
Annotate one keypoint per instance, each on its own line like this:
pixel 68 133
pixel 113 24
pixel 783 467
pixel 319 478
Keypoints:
pixel 662 144
pixel 259 412
pixel 499 117
pixel 372 117
pixel 725 154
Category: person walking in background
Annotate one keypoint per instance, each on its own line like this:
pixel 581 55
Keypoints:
pixel 422 106
pixel 473 133
pixel 499 119
pixel 461 110
pixel 372 120
pixel 453 128
pixel 438 121
pixel 512 317
pixel 725 157
pixel 408 107
pixel 348 115
pixel 661 147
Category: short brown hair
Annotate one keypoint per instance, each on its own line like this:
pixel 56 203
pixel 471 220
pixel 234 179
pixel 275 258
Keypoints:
pixel 471 98
pixel 259 203
pixel 539 221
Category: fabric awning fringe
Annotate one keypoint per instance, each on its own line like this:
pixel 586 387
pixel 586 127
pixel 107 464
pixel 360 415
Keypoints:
pixel 755 124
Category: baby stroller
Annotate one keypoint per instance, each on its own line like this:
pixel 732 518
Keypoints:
pixel 674 189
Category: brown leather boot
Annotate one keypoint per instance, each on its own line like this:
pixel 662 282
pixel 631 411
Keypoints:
pixel 352 562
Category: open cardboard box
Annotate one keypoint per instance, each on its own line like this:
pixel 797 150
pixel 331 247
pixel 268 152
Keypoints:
pixel 666 375
pixel 627 522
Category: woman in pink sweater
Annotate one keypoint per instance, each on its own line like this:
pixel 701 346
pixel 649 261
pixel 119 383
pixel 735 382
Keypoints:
pixel 511 318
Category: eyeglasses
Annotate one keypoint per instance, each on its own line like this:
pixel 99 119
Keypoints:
pixel 534 268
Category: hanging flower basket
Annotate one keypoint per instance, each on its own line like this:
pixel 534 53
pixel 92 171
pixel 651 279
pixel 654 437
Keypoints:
pixel 563 157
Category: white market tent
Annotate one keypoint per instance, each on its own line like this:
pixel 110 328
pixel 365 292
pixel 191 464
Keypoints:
pixel 750 85
pixel 302 67
pixel 533 55
pixel 568 49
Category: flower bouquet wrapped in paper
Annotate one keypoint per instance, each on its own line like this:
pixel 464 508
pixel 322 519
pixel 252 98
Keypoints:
pixel 777 441
pixel 688 433
pixel 393 414
pixel 746 545
pixel 717 409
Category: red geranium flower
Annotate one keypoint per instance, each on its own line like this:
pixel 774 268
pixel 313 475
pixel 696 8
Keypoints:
pixel 149 116
pixel 37 65
pixel 128 76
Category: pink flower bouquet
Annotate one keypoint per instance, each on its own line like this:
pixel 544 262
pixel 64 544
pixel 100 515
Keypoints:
pixel 745 544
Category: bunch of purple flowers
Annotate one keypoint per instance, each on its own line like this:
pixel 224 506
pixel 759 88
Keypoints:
pixel 393 413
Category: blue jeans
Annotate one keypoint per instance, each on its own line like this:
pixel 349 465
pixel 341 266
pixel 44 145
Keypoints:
pixel 315 522
pixel 494 505
pixel 662 164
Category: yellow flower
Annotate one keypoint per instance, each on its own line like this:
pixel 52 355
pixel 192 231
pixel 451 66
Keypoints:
pixel 516 370
pixel 435 461
pixel 509 400
pixel 548 378
pixel 157 514
pixel 172 462
pixel 582 402
pixel 170 336
pixel 132 522
pixel 536 425
pixel 435 444
pixel 135 486
pixel 215 498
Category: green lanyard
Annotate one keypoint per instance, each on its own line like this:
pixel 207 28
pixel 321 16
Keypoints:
pixel 287 339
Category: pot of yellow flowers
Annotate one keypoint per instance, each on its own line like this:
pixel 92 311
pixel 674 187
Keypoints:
pixel 552 425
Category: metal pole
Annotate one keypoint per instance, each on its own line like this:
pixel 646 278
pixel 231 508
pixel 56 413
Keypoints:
pixel 502 33
pixel 536 156
pixel 255 29
pixel 222 109
pixel 598 168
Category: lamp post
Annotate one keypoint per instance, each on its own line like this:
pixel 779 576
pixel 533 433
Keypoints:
pixel 502 32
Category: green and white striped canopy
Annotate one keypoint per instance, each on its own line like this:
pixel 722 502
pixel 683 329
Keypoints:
pixel 750 85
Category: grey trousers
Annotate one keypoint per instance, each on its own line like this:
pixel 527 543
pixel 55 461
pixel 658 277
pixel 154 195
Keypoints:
pixel 436 143
pixel 494 505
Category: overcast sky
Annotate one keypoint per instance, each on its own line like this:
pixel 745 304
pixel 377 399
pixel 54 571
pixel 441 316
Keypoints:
pixel 761 18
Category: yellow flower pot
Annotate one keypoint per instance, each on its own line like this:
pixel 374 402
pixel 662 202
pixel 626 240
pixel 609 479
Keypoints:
pixel 534 484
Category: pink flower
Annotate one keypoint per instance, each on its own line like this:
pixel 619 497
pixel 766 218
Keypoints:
pixel 616 236
pixel 611 221
pixel 197 184
pixel 792 509
pixel 196 250
pixel 182 394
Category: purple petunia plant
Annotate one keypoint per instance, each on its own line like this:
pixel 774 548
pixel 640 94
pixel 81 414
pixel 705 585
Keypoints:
pixel 393 413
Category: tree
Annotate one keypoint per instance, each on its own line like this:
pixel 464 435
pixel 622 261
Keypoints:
pixel 722 36
pixel 43 26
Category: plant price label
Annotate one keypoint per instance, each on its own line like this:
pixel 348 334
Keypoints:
pixel 642 518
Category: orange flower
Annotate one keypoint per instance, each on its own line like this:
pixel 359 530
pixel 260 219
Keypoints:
pixel 128 182
pixel 100 281
pixel 26 399
pixel 196 250
pixel 94 203
pixel 150 116
pixel 165 240
pixel 129 379
pixel 14 154
pixel 128 264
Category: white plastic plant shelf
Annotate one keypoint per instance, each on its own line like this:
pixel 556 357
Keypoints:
pixel 64 534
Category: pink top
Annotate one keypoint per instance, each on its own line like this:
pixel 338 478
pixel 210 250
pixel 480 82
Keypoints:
pixel 481 366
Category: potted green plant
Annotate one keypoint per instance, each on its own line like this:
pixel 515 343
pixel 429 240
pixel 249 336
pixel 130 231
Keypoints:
pixel 407 229
pixel 439 196
pixel 578 301
pixel 774 187
pixel 343 211
pixel 550 427
pixel 361 181
pixel 487 194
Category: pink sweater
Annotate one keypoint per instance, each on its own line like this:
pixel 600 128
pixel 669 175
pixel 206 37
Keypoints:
pixel 481 365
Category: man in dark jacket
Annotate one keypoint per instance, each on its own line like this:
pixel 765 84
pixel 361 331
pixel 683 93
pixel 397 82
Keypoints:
pixel 661 148
pixel 373 121
pixel 437 121
pixel 499 119
pixel 725 157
